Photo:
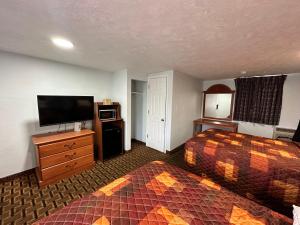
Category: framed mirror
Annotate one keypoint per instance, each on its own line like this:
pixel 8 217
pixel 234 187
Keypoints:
pixel 218 102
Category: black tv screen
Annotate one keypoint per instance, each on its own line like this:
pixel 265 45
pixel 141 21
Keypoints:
pixel 64 109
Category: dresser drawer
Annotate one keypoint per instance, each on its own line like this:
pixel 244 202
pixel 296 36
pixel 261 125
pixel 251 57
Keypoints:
pixel 66 167
pixel 62 146
pixel 62 157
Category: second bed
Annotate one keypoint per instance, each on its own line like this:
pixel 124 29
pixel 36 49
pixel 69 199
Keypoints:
pixel 262 169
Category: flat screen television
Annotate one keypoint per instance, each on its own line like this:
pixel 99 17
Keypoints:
pixel 64 109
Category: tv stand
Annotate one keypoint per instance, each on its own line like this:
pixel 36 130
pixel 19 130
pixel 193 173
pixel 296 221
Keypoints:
pixel 109 133
pixel 63 154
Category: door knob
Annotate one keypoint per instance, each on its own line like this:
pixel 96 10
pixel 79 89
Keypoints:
pixel 162 120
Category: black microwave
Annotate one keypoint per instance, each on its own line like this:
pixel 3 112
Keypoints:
pixel 107 114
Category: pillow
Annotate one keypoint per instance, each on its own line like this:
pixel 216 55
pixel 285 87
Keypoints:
pixel 296 212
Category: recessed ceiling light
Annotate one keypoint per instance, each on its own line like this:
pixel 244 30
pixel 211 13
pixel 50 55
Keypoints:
pixel 243 72
pixel 62 43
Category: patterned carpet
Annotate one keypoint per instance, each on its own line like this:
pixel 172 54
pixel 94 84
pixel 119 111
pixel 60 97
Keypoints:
pixel 23 202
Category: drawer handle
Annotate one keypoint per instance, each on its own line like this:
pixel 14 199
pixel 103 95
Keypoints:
pixel 70 146
pixel 71 166
pixel 71 156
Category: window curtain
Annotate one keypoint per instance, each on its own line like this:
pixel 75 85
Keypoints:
pixel 259 99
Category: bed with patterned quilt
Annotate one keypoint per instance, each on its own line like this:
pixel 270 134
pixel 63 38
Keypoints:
pixel 160 194
pixel 262 169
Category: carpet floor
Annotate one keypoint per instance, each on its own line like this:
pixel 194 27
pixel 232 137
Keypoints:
pixel 23 202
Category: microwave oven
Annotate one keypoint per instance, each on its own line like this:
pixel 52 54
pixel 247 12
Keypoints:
pixel 107 114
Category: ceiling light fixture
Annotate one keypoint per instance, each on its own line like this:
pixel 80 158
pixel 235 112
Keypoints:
pixel 62 43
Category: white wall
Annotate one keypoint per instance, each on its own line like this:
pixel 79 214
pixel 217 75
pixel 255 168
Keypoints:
pixel 138 110
pixel 22 78
pixel 290 113
pixel 121 92
pixel 186 107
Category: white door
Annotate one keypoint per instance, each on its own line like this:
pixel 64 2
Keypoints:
pixel 156 116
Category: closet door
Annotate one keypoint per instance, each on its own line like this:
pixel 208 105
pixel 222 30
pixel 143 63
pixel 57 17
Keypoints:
pixel 156 117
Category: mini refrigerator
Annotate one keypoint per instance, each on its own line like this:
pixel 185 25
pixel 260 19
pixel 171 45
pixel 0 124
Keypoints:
pixel 112 141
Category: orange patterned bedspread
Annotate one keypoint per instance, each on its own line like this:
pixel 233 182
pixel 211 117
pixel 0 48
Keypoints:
pixel 158 193
pixel 262 169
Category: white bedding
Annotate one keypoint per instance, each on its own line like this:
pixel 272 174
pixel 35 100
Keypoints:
pixel 296 213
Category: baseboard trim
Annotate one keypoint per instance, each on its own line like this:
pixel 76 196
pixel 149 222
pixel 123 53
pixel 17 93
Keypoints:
pixel 176 149
pixel 13 176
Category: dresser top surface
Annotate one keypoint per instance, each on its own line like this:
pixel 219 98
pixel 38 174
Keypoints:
pixel 59 136
pixel 216 122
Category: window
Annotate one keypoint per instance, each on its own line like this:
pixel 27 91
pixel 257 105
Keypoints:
pixel 259 99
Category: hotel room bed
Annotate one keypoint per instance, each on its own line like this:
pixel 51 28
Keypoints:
pixel 159 193
pixel 262 169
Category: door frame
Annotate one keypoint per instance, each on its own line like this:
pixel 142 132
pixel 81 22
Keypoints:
pixel 153 76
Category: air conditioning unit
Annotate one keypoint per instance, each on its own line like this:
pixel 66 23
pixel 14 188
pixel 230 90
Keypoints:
pixel 283 133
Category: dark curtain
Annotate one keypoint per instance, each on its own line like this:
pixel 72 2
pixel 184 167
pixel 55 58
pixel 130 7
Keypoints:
pixel 259 99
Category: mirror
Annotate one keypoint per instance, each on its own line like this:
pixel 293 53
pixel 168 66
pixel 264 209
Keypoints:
pixel 218 105
pixel 217 102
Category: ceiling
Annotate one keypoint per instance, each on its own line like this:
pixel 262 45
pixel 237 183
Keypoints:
pixel 210 39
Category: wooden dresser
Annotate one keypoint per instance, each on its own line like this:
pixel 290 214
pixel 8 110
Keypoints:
pixel 60 155
pixel 215 123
